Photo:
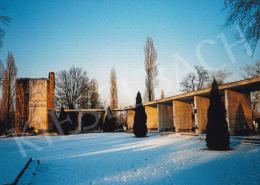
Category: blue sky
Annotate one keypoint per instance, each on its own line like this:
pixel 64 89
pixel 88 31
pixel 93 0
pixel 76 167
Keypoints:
pixel 97 35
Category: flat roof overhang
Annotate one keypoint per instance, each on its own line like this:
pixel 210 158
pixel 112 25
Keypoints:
pixel 243 86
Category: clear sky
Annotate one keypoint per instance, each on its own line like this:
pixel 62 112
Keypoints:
pixel 97 35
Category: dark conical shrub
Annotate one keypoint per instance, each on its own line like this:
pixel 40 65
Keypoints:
pixel 217 134
pixel 110 121
pixel 140 127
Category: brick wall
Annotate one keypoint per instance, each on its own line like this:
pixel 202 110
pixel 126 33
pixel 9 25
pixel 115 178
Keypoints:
pixel 22 104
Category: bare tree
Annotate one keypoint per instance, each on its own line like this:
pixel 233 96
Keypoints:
pixel 94 94
pixel 220 76
pixel 71 87
pixel 195 80
pixel 202 77
pixel 113 89
pixel 251 70
pixel 188 83
pixel 150 68
pixel 245 13
pixel 8 92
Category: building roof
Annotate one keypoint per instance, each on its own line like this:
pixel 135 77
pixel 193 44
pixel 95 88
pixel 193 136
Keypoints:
pixel 244 86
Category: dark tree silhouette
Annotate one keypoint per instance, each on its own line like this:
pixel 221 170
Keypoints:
pixel 110 121
pixel 140 127
pixel 217 134
pixel 246 15
pixel 241 126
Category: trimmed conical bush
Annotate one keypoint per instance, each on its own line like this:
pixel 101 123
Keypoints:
pixel 140 127
pixel 217 134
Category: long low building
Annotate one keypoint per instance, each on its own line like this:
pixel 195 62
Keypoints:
pixel 182 113
pixel 188 111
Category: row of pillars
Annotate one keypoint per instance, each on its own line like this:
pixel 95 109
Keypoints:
pixel 183 116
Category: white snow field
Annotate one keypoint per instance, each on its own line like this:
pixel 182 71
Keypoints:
pixel 120 158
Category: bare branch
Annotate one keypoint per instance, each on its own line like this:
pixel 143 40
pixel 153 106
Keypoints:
pixel 245 13
pixel 71 87
pixel 195 80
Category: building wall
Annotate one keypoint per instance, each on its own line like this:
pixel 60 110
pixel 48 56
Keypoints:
pixel 201 105
pixel 232 100
pixel 38 117
pixel 165 120
pixel 152 117
pixel 130 119
pixel 182 116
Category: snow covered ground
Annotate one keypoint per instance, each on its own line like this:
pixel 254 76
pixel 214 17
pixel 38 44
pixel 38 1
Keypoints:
pixel 120 158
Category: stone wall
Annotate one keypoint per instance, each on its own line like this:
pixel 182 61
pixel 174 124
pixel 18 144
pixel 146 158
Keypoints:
pixel 51 87
pixel 22 104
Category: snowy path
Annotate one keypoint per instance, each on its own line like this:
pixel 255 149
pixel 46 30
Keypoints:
pixel 120 158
